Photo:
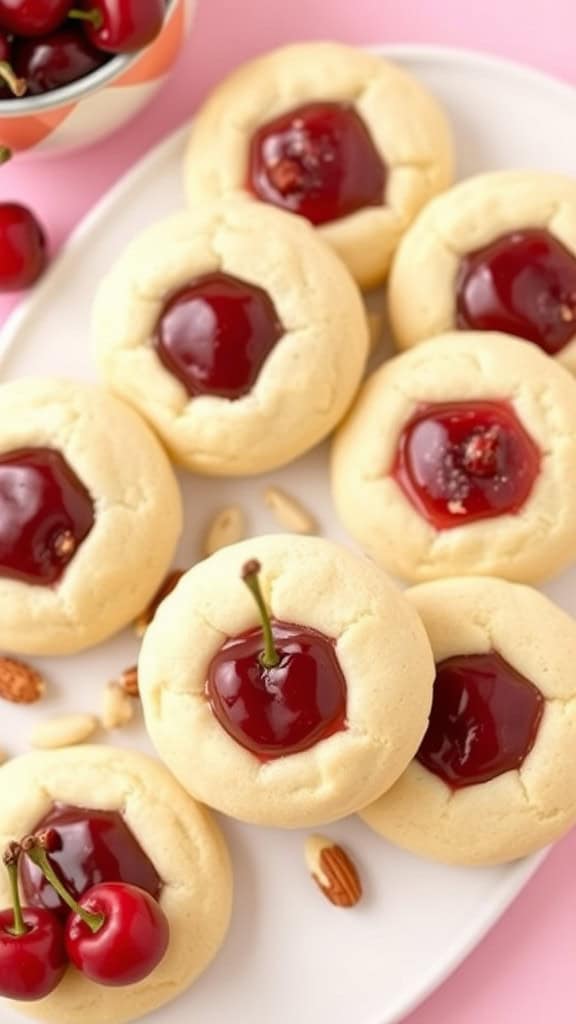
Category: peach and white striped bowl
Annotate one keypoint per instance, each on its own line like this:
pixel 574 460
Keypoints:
pixel 84 111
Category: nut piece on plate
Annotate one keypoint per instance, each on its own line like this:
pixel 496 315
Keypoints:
pixel 128 680
pixel 80 561
pixel 335 134
pixel 289 511
pixel 145 618
pixel 270 367
pixel 63 731
pixel 20 683
pixel 117 706
pixel 227 527
pixel 333 871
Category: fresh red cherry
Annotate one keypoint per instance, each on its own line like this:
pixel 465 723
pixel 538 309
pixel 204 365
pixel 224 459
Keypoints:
pixel 318 160
pixel 116 934
pixel 484 720
pixel 32 17
pixel 279 689
pixel 524 284
pixel 121 26
pixel 215 335
pixel 32 949
pixel 45 514
pixel 53 61
pixel 463 461
pixel 10 84
pixel 23 254
pixel 89 847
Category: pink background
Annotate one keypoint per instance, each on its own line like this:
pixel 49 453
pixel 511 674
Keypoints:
pixel 524 971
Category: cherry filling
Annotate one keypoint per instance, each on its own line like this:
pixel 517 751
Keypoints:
pixel 45 514
pixel 94 847
pixel 484 720
pixel 215 335
pixel 463 461
pixel 524 284
pixel 281 710
pixel 319 161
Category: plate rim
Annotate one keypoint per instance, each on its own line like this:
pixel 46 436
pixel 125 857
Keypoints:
pixel 466 59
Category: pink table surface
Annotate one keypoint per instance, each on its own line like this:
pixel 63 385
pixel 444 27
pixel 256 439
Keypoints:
pixel 524 970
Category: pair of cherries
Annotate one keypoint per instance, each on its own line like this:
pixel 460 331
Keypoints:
pixel 116 933
pixel 45 44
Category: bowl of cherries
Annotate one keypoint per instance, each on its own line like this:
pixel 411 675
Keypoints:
pixel 72 71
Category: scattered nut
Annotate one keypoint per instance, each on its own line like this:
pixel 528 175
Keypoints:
pixel 63 731
pixel 333 871
pixel 289 512
pixel 117 707
pixel 19 683
pixel 145 618
pixel 227 527
pixel 129 681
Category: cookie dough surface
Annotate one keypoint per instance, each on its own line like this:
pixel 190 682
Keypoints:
pixel 406 123
pixel 138 515
pixel 180 838
pixel 534 544
pixel 471 215
pixel 382 649
pixel 520 811
pixel 307 382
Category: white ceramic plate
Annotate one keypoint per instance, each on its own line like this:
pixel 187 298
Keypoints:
pixel 290 957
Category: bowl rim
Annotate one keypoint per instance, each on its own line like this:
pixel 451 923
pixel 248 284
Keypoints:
pixel 78 90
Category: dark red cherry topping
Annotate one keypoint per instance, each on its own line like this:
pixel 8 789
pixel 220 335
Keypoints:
pixel 318 161
pixel 215 335
pixel 463 461
pixel 92 847
pixel 45 514
pixel 484 720
pixel 523 284
pixel 278 690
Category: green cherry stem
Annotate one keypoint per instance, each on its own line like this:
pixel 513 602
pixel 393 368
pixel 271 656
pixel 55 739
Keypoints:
pixel 250 574
pixel 16 85
pixel 11 858
pixel 33 847
pixel 5 154
pixel 93 15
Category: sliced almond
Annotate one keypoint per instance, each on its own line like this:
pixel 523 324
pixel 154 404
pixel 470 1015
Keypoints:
pixel 20 683
pixel 333 871
pixel 145 618
pixel 129 681
pixel 227 527
pixel 289 512
pixel 117 707
pixel 63 731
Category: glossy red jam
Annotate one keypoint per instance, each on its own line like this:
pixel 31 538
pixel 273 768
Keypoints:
pixel 318 161
pixel 95 846
pixel 215 335
pixel 484 720
pixel 463 461
pixel 45 514
pixel 524 284
pixel 278 711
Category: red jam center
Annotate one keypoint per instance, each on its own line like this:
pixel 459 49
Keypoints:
pixel 524 284
pixel 45 514
pixel 278 711
pixel 484 720
pixel 95 846
pixel 215 335
pixel 318 161
pixel 463 461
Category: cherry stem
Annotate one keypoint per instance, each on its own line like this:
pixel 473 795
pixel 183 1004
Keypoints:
pixel 269 657
pixel 11 859
pixel 94 16
pixel 16 85
pixel 5 154
pixel 33 847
